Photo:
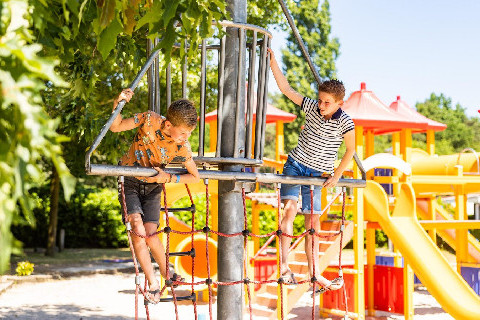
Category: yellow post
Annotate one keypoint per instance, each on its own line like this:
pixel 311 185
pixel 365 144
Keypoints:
pixel 461 235
pixel 279 141
pixel 250 272
pixel 214 214
pixel 358 242
pixel 433 216
pixel 369 149
pixel 281 294
pixel 396 152
pixel 370 270
pixel 408 288
pixel 431 142
pixel 255 226
pixel 213 135
pixel 406 144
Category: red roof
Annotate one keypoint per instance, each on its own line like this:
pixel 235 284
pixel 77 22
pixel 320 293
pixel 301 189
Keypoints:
pixel 402 107
pixel 368 111
pixel 273 114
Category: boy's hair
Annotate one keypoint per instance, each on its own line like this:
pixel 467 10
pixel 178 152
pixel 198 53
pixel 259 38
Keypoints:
pixel 334 87
pixel 182 112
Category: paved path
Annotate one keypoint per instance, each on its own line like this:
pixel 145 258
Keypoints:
pixel 111 296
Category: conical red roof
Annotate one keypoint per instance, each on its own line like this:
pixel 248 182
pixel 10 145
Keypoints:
pixel 367 110
pixel 402 107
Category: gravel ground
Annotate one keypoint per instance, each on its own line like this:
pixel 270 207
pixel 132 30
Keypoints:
pixel 111 296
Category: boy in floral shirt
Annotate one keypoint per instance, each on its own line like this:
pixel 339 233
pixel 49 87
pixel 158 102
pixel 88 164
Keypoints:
pixel 158 141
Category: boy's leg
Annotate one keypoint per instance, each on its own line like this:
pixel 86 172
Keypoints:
pixel 141 250
pixel 313 255
pixel 289 213
pixel 156 248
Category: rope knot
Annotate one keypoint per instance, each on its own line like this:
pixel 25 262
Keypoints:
pixel 279 232
pixel 167 230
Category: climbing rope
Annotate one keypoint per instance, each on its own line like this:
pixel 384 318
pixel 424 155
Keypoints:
pixel 173 282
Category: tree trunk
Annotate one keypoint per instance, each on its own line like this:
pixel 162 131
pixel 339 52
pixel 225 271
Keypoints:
pixel 52 226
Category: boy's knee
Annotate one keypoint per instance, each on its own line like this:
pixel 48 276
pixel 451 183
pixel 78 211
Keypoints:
pixel 136 222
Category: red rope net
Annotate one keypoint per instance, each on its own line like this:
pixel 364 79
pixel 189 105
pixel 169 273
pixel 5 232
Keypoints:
pixel 172 283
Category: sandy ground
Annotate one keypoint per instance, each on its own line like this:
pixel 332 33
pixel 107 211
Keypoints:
pixel 111 296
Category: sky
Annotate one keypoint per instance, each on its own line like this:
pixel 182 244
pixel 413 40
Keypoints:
pixel 407 48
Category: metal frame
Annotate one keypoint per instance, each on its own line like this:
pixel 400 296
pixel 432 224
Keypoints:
pixel 240 158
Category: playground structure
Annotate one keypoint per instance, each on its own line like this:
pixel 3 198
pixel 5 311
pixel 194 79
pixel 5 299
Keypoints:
pixel 239 146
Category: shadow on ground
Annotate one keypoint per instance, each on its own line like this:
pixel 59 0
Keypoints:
pixel 57 312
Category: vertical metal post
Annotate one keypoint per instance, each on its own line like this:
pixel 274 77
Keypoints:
pixel 239 148
pixel 476 210
pixel 265 94
pixel 156 75
pixel 260 96
pixel 151 77
pixel 250 95
pixel 184 73
pixel 168 80
pixel 230 204
pixel 221 85
pixel 203 100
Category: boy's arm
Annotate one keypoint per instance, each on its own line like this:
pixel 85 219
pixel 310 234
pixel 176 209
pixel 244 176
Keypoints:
pixel 120 124
pixel 191 177
pixel 162 177
pixel 282 82
pixel 349 139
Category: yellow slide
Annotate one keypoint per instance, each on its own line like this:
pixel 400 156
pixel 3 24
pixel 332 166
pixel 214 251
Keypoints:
pixel 402 227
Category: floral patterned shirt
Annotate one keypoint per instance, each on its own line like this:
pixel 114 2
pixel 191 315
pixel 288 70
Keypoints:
pixel 151 147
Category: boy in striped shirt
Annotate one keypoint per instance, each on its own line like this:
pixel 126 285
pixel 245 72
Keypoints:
pixel 326 126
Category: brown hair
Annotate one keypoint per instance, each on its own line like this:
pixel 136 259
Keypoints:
pixel 182 112
pixel 334 87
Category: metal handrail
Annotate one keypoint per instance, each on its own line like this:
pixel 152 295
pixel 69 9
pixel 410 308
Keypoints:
pixel 476 157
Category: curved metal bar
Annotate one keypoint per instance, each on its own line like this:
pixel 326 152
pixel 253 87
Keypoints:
pixel 300 41
pixel 246 26
pixel 224 175
pixel 476 157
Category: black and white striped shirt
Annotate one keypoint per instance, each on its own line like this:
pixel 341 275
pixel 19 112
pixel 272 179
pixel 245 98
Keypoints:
pixel 320 139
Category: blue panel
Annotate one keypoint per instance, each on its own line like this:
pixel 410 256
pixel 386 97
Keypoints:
pixel 472 277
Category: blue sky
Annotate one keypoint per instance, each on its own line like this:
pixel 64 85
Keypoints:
pixel 407 48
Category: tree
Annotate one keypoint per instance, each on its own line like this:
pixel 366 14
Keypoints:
pixel 462 131
pixel 27 134
pixel 97 47
pixel 313 23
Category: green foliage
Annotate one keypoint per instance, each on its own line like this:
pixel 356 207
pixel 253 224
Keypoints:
pixel 313 23
pixel 27 135
pixel 91 219
pixel 24 268
pixel 462 131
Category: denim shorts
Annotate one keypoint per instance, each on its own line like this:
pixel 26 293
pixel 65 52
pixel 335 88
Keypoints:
pixel 291 191
pixel 143 198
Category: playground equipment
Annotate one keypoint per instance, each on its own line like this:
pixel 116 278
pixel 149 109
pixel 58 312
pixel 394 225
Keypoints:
pixel 402 227
pixel 235 146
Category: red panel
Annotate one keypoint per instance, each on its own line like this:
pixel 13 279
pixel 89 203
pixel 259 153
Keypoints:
pixel 264 268
pixel 388 290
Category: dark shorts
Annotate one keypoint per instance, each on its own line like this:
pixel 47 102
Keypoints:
pixel 141 197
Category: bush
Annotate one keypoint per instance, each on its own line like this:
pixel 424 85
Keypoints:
pixel 91 219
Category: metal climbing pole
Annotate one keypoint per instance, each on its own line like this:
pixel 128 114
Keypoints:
pixel 230 211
